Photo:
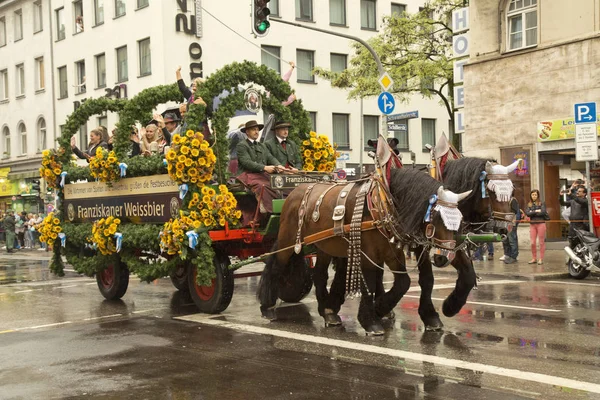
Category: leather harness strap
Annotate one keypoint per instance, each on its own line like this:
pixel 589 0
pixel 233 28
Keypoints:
pixel 340 210
pixel 316 214
pixel 301 214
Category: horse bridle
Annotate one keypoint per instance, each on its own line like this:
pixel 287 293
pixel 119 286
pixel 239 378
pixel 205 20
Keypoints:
pixel 498 219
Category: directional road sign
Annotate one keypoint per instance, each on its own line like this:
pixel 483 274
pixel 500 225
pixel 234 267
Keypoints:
pixel 406 115
pixel 397 127
pixel 386 81
pixel 386 103
pixel 585 113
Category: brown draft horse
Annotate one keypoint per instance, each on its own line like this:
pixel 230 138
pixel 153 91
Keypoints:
pixel 411 192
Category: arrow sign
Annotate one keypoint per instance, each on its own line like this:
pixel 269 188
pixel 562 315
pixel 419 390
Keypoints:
pixel 386 103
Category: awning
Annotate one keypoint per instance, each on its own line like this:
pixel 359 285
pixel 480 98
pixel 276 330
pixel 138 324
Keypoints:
pixel 15 176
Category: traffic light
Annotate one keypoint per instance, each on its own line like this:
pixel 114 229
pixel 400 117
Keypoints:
pixel 35 185
pixel 260 17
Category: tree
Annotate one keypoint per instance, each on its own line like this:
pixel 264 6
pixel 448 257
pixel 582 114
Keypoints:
pixel 415 49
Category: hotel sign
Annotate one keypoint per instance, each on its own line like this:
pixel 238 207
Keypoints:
pixel 461 51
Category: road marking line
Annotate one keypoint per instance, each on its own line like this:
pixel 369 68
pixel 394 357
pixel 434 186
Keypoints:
pixel 42 326
pixel 480 303
pixel 150 310
pixel 452 285
pixel 7 331
pixel 418 357
pixel 46 283
pixel 26 291
pixel 64 287
pixel 575 283
pixel 104 316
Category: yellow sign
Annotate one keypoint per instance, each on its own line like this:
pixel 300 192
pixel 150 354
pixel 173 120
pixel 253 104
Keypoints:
pixel 125 187
pixel 7 188
pixel 558 129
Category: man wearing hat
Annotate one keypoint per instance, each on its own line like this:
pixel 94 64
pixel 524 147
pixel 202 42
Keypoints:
pixel 255 162
pixel 171 124
pixel 284 150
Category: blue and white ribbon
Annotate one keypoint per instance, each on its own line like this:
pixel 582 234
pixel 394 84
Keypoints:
pixel 63 239
pixel 119 237
pixel 183 189
pixel 123 168
pixel 482 180
pixel 63 176
pixel 432 201
pixel 193 238
pixel 165 162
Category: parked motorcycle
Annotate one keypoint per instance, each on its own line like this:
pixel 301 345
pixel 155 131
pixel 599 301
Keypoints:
pixel 584 254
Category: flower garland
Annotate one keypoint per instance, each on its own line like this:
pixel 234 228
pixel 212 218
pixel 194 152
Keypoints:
pixel 190 159
pixel 51 168
pixel 105 166
pixel 103 235
pixel 318 153
pixel 49 229
pixel 215 209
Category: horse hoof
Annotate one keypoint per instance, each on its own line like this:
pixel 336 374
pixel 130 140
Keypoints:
pixel 447 311
pixel 433 324
pixel 375 329
pixel 268 313
pixel 391 315
pixel 332 320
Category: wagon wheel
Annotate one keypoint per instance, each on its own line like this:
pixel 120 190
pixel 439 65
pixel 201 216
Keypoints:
pixel 297 284
pixel 179 278
pixel 215 298
pixel 113 280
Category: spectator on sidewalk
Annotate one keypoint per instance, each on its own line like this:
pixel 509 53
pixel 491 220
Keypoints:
pixel 511 243
pixel 9 228
pixel 536 211
pixel 20 229
pixel 578 204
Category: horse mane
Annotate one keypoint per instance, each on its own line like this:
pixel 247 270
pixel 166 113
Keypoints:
pixel 411 190
pixel 462 175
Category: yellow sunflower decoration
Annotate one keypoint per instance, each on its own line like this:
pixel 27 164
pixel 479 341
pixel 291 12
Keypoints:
pixel 190 159
pixel 51 168
pixel 103 235
pixel 215 209
pixel 318 154
pixel 49 229
pixel 105 166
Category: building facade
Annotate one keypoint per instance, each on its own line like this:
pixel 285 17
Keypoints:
pixel 531 61
pixel 70 51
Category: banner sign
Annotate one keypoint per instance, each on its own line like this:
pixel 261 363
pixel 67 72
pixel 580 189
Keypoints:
pixel 151 199
pixel 290 181
pixel 596 208
pixel 558 129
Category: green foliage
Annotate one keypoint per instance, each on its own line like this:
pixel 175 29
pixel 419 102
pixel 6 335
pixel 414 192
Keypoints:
pixel 415 49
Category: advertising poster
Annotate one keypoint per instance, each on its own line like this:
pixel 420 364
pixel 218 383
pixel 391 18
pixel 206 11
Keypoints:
pixel 558 129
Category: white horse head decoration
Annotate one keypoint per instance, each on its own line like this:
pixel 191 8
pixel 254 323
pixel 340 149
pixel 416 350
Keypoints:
pixel 447 206
pixel 498 180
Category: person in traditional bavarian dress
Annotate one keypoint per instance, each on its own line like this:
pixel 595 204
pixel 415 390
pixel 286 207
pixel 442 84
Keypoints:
pixel 255 163
pixel 284 150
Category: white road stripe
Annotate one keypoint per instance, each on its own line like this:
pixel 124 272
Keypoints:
pixel 26 291
pixel 575 283
pixel 418 357
pixel 47 283
pixel 64 287
pixel 480 303
pixel 102 317
pixel 452 285
pixel 149 310
pixel 43 326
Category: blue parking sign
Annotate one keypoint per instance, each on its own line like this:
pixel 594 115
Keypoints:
pixel 585 113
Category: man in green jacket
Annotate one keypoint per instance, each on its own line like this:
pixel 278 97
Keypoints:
pixel 255 163
pixel 284 150
pixel 9 228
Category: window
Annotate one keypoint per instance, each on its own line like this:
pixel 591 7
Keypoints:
pixel 274 7
pixel 6 142
pixel 98 12
pixel 313 120
pixel 40 81
pixel 338 62
pixel 368 14
pixel 427 132
pixel 306 62
pixel 80 77
pixel 18 22
pixel 2 31
pixel 341 130
pixel 304 10
pixel 38 16
pixel 20 73
pixel 83 135
pixel 119 8
pixel 122 64
pixel 22 138
pixel 522 24
pixel 142 3
pixel 270 57
pixel 101 70
pixel 60 24
pixel 401 134
pixel 371 128
pixel 4 85
pixel 145 58
pixel 63 90
pixel 337 12
pixel 103 121
pixel 398 9
pixel 41 135
pixel 78 16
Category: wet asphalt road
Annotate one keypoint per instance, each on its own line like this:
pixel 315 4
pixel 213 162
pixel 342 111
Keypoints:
pixel 514 339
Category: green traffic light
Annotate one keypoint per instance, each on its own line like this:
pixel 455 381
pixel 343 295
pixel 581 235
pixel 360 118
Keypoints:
pixel 263 26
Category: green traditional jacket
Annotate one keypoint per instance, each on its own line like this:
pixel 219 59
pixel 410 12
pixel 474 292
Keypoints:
pixel 291 154
pixel 253 158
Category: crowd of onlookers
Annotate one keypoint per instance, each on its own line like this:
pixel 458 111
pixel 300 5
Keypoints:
pixel 20 230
